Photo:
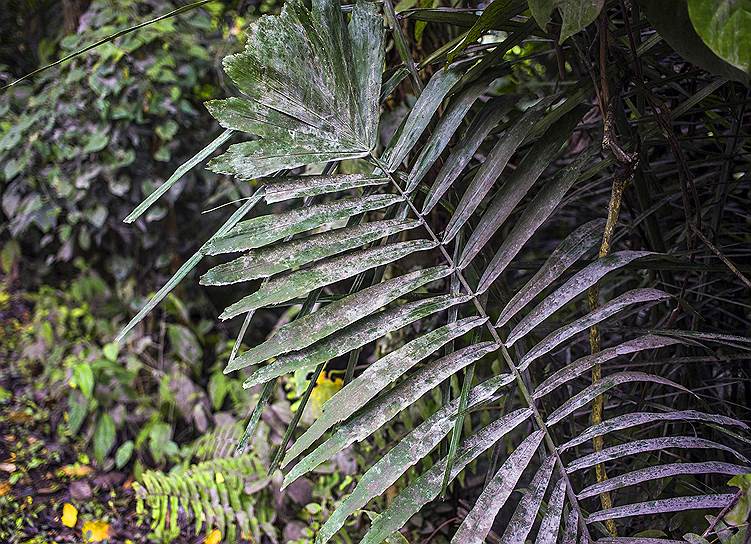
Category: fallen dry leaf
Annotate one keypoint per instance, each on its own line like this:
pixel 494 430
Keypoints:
pixel 77 471
pixel 95 531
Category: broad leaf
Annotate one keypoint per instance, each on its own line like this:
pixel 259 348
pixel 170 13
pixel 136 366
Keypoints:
pixel 270 260
pixel 577 14
pixel 312 88
pixel 334 317
pixel 479 520
pixel 353 337
pixel 297 283
pixel 725 26
pixel 380 374
pixel 574 246
pixel 671 19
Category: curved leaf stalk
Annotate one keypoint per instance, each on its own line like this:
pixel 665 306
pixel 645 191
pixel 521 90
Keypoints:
pixel 627 164
pixel 518 377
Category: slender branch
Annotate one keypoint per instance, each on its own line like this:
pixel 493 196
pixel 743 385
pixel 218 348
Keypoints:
pixel 734 269
pixel 109 38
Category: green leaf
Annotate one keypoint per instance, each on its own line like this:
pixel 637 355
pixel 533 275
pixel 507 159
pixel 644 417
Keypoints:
pixel 160 440
pixel 354 336
pixel 183 169
pixel 279 189
pixel 386 406
pixel 499 11
pixel 189 265
pixel 297 283
pixel 266 229
pixel 739 514
pixel 83 378
pixel 334 317
pixel 312 88
pixel 267 261
pixel 218 388
pixel 579 283
pixel 574 246
pixel 518 184
pixel 479 520
pixel 577 14
pixel 427 487
pixel 123 454
pixel 77 411
pixel 491 169
pixel 671 20
pixel 541 10
pixel 379 375
pixel 110 351
pixel 725 26
pixel 419 116
pixel 104 437
pixel 534 215
pixel 406 453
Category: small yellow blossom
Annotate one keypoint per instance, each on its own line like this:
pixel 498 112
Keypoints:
pixel 70 515
pixel 214 537
pixel 325 389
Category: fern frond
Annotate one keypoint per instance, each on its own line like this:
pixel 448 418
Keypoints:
pixel 214 494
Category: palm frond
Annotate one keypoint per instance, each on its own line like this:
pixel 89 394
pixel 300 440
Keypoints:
pixel 311 84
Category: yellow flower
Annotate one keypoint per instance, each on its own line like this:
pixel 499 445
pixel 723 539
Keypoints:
pixel 325 389
pixel 95 531
pixel 214 537
pixel 70 515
